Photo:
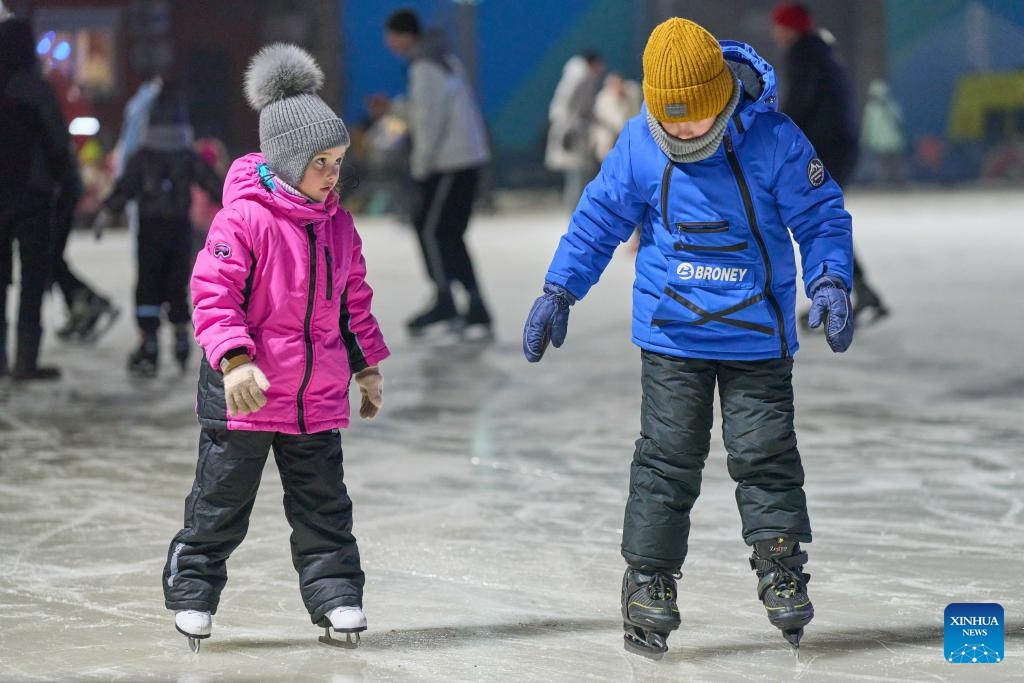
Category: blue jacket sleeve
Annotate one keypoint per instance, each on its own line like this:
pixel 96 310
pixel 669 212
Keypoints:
pixel 609 211
pixel 814 213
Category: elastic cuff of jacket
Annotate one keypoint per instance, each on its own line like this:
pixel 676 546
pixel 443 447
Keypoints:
pixel 827 281
pixel 559 291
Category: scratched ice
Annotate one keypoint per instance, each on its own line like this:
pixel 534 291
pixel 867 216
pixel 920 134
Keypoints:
pixel 489 493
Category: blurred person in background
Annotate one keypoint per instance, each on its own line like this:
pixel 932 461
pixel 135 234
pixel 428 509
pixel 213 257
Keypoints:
pixel 215 154
pixel 449 150
pixel 618 101
pixel 570 115
pixel 133 128
pixel 35 161
pixel 89 314
pixel 820 100
pixel 882 134
pixel 159 176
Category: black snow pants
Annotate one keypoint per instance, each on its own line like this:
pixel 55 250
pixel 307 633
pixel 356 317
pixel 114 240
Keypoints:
pixel 441 219
pixel 316 504
pixel 675 437
pixel 164 267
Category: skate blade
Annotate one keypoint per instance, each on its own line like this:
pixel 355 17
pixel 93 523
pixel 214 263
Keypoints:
pixel 642 649
pixel 654 646
pixel 477 333
pixel 793 637
pixel 351 641
pixel 194 641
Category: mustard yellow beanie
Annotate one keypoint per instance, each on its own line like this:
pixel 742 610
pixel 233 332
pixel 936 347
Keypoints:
pixel 685 76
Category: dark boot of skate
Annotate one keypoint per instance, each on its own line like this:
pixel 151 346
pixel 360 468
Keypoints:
pixel 649 610
pixel 782 585
pixel 477 321
pixel 443 311
pixel 90 315
pixel 867 305
pixel 182 344
pixel 143 361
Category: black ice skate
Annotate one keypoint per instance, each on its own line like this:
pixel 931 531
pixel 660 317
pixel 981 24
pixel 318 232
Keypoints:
pixel 782 586
pixel 349 620
pixel 143 361
pixel 649 611
pixel 443 311
pixel 90 316
pixel 867 306
pixel 476 324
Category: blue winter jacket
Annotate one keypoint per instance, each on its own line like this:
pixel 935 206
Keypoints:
pixel 715 271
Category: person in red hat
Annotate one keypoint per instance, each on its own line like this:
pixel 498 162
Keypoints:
pixel 820 101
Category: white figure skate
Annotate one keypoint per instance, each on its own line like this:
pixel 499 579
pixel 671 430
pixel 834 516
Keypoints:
pixel 195 626
pixel 349 620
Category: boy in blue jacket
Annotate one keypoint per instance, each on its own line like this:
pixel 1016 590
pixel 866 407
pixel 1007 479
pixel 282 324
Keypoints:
pixel 718 182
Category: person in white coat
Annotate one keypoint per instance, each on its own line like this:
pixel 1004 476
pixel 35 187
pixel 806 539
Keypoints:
pixel 570 115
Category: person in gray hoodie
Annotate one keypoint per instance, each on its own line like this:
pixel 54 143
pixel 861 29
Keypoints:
pixel 449 148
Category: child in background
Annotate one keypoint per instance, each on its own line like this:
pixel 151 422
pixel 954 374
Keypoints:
pixel 282 311
pixel 718 181
pixel 159 176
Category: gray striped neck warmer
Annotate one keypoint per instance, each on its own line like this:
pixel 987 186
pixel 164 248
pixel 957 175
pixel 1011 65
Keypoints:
pixel 695 149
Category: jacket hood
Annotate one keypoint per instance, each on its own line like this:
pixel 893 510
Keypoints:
pixel 432 45
pixel 756 76
pixel 249 178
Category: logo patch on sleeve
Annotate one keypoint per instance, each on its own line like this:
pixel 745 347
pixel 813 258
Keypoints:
pixel 815 172
pixel 222 250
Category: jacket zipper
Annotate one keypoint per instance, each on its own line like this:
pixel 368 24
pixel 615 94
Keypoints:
pixel 666 178
pixel 330 273
pixel 748 204
pixel 306 330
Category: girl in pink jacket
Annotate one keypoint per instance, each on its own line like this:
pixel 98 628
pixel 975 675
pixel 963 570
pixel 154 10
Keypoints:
pixel 282 311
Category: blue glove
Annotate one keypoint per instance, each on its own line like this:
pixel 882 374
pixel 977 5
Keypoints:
pixel 830 303
pixel 548 321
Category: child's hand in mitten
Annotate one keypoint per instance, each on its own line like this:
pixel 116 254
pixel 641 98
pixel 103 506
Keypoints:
pixel 244 385
pixel 371 386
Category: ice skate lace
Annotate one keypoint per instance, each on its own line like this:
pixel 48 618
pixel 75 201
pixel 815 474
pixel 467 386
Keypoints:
pixel 786 583
pixel 660 588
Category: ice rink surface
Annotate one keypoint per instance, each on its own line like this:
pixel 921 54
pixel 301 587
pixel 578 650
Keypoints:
pixel 489 493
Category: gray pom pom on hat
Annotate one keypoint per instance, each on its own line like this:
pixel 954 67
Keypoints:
pixel 295 124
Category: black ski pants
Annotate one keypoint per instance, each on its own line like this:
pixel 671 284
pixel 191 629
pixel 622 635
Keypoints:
pixel 164 254
pixel 441 219
pixel 316 504
pixel 25 219
pixel 675 437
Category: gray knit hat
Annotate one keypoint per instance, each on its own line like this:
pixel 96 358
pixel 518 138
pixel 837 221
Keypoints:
pixel 295 124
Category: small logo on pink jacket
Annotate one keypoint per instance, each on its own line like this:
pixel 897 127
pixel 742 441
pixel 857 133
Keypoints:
pixel 222 250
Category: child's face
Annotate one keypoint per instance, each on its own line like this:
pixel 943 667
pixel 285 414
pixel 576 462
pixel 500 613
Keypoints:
pixel 321 174
pixel 687 130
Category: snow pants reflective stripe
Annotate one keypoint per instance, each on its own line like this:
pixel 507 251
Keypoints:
pixel 316 504
pixel 676 417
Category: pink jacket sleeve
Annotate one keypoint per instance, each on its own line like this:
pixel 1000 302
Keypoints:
pixel 219 280
pixel 359 328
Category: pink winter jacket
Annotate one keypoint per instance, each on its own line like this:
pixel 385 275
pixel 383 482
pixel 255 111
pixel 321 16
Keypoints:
pixel 284 279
